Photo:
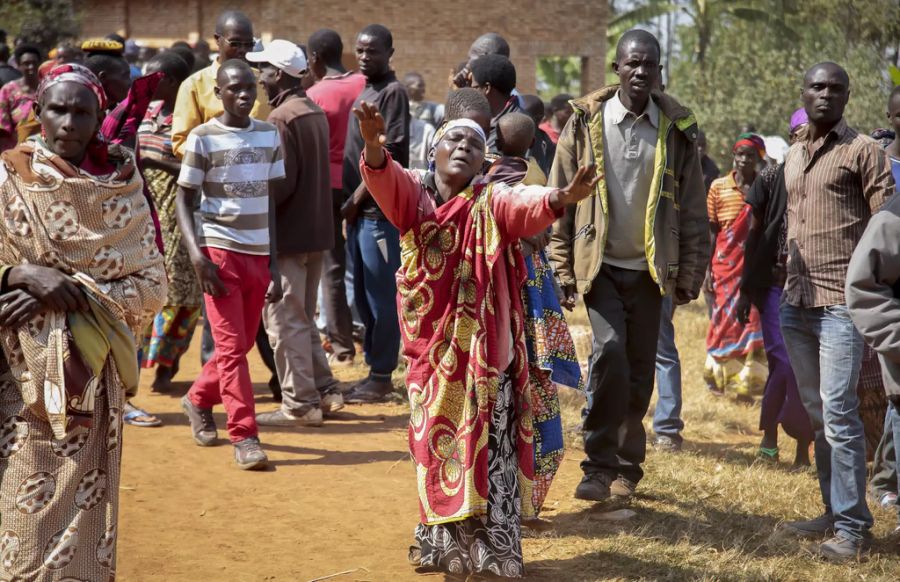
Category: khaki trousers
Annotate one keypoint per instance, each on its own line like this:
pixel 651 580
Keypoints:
pixel 303 369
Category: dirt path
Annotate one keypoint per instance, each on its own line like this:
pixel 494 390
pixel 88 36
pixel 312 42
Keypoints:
pixel 339 498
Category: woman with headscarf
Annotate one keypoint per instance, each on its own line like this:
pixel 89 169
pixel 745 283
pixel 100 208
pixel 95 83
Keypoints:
pixel 735 358
pixel 169 335
pixel 81 277
pixel 472 423
pixel 762 283
pixel 17 96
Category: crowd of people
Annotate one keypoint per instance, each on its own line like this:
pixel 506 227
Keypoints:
pixel 291 204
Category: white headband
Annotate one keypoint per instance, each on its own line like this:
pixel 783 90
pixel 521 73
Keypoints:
pixel 463 122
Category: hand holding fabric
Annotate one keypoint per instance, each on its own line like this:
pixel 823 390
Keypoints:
pixel 17 308
pixel 53 288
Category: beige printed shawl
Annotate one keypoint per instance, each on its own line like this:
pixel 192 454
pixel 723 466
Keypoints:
pixel 95 228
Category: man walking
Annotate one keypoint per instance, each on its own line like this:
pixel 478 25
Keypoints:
pixel 873 297
pixel 627 247
pixel 335 91
pixel 303 230
pixel 835 179
pixel 374 242
pixel 196 104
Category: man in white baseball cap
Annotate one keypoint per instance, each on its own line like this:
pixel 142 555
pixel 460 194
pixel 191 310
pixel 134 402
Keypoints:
pixel 304 229
pixel 283 55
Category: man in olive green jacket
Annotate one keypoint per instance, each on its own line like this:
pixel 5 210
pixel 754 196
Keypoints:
pixel 643 235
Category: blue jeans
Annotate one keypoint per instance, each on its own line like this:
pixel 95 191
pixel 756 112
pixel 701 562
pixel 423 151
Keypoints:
pixel 375 249
pixel 667 417
pixel 826 353
pixel 884 469
pixel 893 417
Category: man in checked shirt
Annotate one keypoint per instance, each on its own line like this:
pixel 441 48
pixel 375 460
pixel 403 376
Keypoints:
pixel 836 179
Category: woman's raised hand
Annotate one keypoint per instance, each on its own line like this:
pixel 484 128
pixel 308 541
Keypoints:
pixel 579 188
pixel 371 124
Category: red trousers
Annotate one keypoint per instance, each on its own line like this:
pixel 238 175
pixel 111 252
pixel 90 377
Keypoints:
pixel 234 320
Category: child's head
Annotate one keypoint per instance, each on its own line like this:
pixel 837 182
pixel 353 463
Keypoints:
pixel 236 87
pixel 534 107
pixel 468 103
pixel 894 111
pixel 515 134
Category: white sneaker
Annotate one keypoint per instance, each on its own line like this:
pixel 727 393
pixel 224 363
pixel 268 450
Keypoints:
pixel 331 402
pixel 281 417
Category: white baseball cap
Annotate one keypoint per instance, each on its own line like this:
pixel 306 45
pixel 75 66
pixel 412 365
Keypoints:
pixel 282 54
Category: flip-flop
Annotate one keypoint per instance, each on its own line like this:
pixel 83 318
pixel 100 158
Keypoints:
pixel 133 413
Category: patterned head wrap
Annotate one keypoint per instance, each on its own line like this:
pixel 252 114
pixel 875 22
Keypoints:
pixel 798 118
pixel 752 140
pixel 73 73
pixel 447 126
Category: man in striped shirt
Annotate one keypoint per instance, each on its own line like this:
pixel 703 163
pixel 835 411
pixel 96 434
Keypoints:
pixel 835 178
pixel 232 160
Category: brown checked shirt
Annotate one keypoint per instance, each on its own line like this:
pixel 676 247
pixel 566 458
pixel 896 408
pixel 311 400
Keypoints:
pixel 834 185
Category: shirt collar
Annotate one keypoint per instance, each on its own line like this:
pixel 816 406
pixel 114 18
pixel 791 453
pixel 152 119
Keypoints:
pixel 283 96
pixel 617 112
pixel 839 130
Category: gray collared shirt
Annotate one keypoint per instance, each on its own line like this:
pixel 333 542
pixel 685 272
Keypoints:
pixel 629 153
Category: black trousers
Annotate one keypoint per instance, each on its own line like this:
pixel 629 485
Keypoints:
pixel 338 318
pixel 624 309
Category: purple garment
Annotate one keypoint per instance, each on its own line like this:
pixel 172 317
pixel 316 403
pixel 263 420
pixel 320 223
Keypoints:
pixel 798 118
pixel 781 402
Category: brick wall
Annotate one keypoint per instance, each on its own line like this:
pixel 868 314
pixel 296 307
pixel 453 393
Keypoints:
pixel 430 36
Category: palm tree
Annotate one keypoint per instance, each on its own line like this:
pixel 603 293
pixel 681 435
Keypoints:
pixel 705 15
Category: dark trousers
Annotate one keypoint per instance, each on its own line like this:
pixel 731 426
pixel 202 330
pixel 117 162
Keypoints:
pixel 624 310
pixel 375 249
pixel 338 319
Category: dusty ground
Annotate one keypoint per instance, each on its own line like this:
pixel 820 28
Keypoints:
pixel 342 499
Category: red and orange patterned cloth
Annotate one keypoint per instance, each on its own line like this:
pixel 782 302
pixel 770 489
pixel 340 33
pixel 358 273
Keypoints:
pixel 463 330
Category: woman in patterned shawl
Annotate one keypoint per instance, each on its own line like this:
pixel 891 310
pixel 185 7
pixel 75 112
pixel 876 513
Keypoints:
pixel 169 335
pixel 81 277
pixel 461 316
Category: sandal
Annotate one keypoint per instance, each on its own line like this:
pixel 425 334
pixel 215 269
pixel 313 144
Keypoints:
pixel 133 415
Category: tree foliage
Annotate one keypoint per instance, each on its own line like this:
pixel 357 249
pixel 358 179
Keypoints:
pixel 41 22
pixel 753 74
pixel 556 75
pixel 705 16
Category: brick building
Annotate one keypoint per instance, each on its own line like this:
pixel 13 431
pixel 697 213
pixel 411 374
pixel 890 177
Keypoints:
pixel 430 36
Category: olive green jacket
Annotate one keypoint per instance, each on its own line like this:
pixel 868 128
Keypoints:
pixel 676 235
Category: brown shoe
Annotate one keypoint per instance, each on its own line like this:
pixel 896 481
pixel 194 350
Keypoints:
pixel 593 487
pixel 622 487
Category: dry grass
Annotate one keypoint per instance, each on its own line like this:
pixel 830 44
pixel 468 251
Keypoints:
pixel 709 513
